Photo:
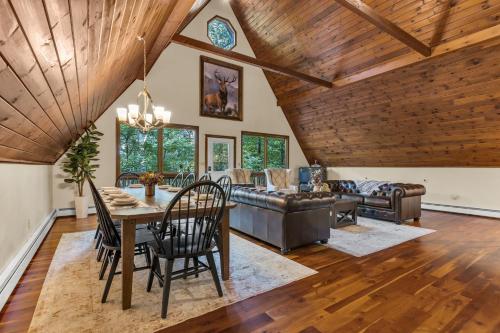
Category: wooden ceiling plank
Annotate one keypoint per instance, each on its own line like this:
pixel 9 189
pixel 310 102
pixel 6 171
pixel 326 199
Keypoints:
pixel 59 18
pixel 17 95
pixel 78 12
pixel 9 154
pixel 365 11
pixel 32 19
pixel 95 22
pixel 489 34
pixel 12 139
pixel 18 122
pixel 202 46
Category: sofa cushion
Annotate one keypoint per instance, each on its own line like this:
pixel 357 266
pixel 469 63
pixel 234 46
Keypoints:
pixel 352 196
pixel 379 201
pixel 281 202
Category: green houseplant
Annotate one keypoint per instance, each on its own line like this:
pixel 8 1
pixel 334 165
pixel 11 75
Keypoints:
pixel 80 164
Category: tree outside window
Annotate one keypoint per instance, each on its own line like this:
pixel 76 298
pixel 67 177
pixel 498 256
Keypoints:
pixel 261 151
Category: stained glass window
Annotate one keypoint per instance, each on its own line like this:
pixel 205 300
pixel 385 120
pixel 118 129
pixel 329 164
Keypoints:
pixel 221 33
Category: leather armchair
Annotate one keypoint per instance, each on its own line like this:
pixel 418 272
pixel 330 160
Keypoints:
pixel 280 180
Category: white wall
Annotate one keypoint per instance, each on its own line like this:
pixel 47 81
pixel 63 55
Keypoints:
pixel 25 202
pixel 465 187
pixel 174 83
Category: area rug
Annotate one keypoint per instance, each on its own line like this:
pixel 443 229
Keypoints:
pixel 370 236
pixel 71 294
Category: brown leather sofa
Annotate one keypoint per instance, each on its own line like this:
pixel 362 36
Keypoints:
pixel 395 202
pixel 283 220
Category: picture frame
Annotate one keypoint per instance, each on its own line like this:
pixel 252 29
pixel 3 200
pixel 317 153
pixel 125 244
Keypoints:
pixel 221 89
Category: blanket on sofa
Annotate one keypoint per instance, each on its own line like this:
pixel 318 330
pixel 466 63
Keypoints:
pixel 369 186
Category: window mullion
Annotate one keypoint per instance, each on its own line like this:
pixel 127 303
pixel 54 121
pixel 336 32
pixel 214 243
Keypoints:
pixel 160 150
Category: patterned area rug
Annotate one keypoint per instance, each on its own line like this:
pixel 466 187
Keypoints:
pixel 370 236
pixel 70 297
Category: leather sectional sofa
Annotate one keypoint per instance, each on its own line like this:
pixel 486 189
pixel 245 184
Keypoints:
pixel 387 201
pixel 283 220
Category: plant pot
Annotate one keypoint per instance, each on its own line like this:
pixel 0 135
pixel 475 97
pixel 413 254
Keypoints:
pixel 82 207
pixel 150 190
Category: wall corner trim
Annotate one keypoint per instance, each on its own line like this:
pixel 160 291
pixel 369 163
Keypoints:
pixel 11 275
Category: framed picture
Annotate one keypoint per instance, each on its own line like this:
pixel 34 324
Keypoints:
pixel 221 87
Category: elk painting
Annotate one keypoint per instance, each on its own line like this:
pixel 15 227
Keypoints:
pixel 221 89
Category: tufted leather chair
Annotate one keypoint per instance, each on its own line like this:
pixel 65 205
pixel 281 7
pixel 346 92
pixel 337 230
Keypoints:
pixel 283 220
pixel 279 180
pixel 395 202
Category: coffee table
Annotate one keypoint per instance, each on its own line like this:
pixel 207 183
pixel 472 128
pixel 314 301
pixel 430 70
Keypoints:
pixel 344 213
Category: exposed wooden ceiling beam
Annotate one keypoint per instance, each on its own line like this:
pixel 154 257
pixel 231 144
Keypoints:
pixel 491 34
pixel 366 12
pixel 202 46
pixel 180 12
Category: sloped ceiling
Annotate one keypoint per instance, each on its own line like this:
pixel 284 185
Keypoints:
pixel 443 111
pixel 63 62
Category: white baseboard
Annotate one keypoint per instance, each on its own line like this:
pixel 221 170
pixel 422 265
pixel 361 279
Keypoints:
pixel 10 276
pixel 462 210
pixel 71 211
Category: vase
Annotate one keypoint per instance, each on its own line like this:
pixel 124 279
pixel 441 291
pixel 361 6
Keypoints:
pixel 81 207
pixel 150 190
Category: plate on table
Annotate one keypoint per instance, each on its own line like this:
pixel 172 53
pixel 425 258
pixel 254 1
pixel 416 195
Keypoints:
pixel 164 187
pixel 136 186
pixel 124 201
pixel 203 196
pixel 112 191
pixel 104 188
pixel 118 195
pixel 174 189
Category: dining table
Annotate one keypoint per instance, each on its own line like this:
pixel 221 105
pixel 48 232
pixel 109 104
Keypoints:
pixel 152 209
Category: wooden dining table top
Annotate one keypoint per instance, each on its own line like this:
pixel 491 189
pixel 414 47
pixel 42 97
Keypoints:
pixel 150 207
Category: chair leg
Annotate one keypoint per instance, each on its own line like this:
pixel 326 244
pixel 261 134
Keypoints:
pixel 104 264
pixel 196 265
pixel 147 254
pixel 112 271
pixel 186 266
pixel 169 265
pixel 100 253
pixel 98 241
pixel 213 269
pixel 97 231
pixel 151 273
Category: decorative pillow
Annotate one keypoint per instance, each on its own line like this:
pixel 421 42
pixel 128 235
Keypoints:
pixel 369 187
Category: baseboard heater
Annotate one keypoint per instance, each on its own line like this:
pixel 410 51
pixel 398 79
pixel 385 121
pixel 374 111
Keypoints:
pixel 72 212
pixel 462 210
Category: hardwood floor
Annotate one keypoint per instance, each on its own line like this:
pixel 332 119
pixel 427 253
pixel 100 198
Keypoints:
pixel 446 281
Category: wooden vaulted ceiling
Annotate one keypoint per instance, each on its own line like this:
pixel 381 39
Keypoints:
pixel 362 83
pixel 63 62
pixel 438 111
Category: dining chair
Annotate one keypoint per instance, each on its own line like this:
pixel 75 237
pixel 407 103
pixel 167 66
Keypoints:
pixel 190 179
pixel 197 210
pixel 127 178
pixel 226 183
pixel 205 176
pixel 177 180
pixel 111 242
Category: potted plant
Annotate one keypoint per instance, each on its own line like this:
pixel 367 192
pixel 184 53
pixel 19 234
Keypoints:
pixel 149 180
pixel 79 164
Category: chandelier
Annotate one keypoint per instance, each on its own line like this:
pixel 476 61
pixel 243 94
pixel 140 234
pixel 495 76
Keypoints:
pixel 150 116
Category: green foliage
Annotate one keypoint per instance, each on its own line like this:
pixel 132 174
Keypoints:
pixel 138 150
pixel 178 150
pixel 253 151
pixel 80 158
pixel 220 156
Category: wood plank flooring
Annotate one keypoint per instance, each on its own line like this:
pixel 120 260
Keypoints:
pixel 447 281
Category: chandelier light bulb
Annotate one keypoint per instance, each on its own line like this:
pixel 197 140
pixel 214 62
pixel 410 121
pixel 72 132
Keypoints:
pixel 166 116
pixel 122 114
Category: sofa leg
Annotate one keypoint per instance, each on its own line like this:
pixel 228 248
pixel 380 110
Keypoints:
pixel 416 219
pixel 398 222
pixel 285 251
pixel 324 241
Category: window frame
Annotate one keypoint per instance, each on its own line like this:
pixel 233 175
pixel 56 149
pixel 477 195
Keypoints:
pixel 232 27
pixel 266 136
pixel 159 153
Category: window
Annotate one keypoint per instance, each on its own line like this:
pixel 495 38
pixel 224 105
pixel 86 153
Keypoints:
pixel 260 151
pixel 172 149
pixel 221 33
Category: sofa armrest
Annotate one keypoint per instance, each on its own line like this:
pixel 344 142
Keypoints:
pixel 408 190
